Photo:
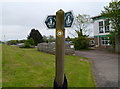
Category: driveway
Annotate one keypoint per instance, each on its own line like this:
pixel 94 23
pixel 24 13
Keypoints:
pixel 105 67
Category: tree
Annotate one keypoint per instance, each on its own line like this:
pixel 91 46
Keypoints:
pixel 45 39
pixel 51 38
pixel 12 42
pixel 112 38
pixel 37 37
pixel 113 13
pixel 67 39
pixel 29 43
pixel 81 42
pixel 21 41
pixel 81 23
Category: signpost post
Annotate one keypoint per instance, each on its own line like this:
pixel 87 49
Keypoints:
pixel 60 21
pixel 60 47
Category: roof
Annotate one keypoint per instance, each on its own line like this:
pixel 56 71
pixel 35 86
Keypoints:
pixel 98 17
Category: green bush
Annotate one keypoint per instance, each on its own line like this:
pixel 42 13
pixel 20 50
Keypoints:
pixel 31 41
pixel 28 43
pixel 12 42
pixel 81 43
pixel 112 38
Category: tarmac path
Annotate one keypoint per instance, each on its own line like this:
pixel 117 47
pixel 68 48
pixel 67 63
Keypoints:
pixel 104 66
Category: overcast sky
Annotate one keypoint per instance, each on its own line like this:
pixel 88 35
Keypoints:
pixel 19 17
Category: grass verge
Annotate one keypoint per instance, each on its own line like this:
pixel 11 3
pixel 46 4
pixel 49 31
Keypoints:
pixel 30 68
pixel 0 65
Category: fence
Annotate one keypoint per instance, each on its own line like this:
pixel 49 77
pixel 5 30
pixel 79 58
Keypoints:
pixel 50 48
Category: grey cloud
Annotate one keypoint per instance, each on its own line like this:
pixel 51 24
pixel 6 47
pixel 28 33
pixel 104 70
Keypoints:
pixel 23 16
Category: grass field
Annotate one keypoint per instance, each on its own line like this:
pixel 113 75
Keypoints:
pixel 30 68
pixel 0 65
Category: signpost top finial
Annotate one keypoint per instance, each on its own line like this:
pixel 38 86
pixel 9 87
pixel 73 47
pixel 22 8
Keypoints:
pixel 60 11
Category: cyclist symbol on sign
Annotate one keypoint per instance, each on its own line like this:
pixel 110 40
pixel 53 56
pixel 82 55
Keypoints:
pixel 68 20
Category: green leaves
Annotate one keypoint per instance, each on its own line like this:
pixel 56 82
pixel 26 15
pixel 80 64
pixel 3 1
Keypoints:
pixel 113 13
pixel 82 22
pixel 37 37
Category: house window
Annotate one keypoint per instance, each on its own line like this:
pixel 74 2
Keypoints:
pixel 105 41
pixel 101 27
pixel 107 28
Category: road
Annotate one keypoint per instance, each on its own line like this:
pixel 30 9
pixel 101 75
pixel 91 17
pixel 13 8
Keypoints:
pixel 104 65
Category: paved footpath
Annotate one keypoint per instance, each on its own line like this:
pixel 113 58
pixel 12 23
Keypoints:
pixel 105 67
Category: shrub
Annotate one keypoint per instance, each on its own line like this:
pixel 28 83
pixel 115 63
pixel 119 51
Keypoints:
pixel 12 42
pixel 81 43
pixel 28 43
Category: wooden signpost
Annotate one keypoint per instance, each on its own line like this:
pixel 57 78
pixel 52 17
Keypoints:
pixel 60 21
pixel 60 47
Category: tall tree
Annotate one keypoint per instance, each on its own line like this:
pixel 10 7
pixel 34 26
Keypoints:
pixel 82 22
pixel 113 13
pixel 37 37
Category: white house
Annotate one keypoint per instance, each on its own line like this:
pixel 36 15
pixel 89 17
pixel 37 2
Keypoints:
pixel 102 27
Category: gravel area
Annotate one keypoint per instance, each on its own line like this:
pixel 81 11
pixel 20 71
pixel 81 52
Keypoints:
pixel 105 67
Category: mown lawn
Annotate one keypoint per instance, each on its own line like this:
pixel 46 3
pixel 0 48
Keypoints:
pixel 0 65
pixel 31 68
